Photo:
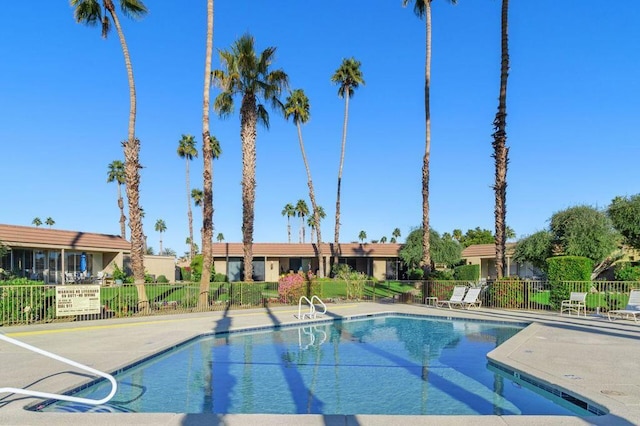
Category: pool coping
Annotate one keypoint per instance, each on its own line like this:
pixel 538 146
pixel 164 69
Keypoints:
pixel 549 337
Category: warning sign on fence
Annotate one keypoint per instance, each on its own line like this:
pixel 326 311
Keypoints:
pixel 77 300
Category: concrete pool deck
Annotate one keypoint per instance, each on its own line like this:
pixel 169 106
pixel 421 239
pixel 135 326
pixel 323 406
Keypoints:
pixel 590 357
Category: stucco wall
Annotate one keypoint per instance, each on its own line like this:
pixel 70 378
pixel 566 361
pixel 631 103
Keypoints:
pixel 160 265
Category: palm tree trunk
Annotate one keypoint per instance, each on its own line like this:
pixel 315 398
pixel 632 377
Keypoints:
pixel 336 237
pixel 426 254
pixel 132 175
pixel 207 154
pixel 123 219
pixel 289 228
pixel 501 152
pixel 189 215
pixel 248 121
pixel 314 206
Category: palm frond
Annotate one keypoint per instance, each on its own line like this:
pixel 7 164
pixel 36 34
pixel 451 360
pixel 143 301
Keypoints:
pixel 133 8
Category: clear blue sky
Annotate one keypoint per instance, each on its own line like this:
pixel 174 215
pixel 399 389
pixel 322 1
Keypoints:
pixel 573 114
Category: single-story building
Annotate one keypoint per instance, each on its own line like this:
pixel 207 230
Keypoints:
pixel 270 260
pixel 58 257
pixel 485 256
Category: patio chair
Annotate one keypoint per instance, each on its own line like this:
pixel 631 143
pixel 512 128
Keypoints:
pixel 456 297
pixel 471 299
pixel 575 303
pixel 632 309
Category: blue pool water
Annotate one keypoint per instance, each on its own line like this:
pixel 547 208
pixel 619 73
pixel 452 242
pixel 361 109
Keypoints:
pixel 396 365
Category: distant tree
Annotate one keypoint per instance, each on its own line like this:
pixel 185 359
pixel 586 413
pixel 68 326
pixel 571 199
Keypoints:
pixel 187 150
pixel 195 246
pixel 477 236
pixel 150 251
pixel 289 211
pixel 197 195
pixel 169 252
pixel 37 221
pixel 160 227
pixel 348 77
pixel 535 249
pixel 50 222
pixel 311 221
pixel 302 210
pixel 625 216
pixel 362 236
pixel 220 237
pixel 383 240
pixel 583 231
pixel 457 235
pixel 392 240
pixel 396 234
pixel 116 174
pixel 447 252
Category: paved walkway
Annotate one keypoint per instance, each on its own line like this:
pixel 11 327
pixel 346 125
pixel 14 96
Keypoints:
pixel 590 357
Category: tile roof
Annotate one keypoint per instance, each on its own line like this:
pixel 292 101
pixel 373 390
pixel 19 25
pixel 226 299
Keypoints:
pixel 485 250
pixel 30 236
pixel 307 250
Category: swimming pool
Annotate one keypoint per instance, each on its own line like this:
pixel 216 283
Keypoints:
pixel 386 364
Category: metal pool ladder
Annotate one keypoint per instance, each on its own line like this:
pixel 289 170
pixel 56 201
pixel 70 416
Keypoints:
pixel 312 307
pixel 38 394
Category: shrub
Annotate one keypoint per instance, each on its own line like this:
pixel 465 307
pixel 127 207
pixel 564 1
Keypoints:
pixel 445 275
pixel 196 269
pixel 294 285
pixel 220 278
pixel 566 268
pixel 119 274
pixel 416 274
pixel 185 274
pixel 246 293
pixel 466 273
pixel 162 279
pixel 626 271
pixel 507 293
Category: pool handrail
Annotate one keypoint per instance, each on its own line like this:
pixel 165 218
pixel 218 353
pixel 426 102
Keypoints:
pixel 47 395
pixel 312 308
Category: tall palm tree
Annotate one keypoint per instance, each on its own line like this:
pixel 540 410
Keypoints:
pixel 396 233
pixel 187 150
pixel 362 236
pixel 383 239
pixel 348 77
pixel 248 76
pixel 302 210
pixel 220 237
pixel 160 227
pixel 297 107
pixel 207 173
pixel 116 174
pixel 289 211
pixel 37 222
pixel 500 149
pixel 423 8
pixel 90 12
pixel 50 222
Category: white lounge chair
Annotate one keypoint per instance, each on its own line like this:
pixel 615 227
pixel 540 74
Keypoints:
pixel 456 297
pixel 575 303
pixel 471 299
pixel 632 309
